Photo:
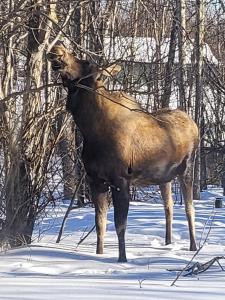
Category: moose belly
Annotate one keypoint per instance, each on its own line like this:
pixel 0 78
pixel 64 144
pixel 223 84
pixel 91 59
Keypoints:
pixel 156 174
pixel 106 165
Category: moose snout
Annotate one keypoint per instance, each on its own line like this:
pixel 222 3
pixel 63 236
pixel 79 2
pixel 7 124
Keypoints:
pixel 56 61
pixel 56 65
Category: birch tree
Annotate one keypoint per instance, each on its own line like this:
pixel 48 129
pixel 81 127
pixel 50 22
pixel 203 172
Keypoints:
pixel 39 153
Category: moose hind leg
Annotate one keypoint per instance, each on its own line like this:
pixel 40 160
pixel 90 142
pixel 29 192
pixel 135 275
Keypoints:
pixel 101 203
pixel 168 207
pixel 186 183
pixel 120 195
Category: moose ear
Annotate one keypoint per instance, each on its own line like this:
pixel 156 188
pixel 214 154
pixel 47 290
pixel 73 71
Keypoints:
pixel 90 69
pixel 111 70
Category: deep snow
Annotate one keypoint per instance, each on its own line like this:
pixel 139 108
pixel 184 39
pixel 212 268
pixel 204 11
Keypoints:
pixel 47 270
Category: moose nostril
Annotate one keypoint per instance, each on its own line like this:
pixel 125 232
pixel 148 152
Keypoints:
pixel 56 65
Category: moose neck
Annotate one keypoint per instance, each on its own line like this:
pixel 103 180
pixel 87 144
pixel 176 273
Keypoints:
pixel 86 107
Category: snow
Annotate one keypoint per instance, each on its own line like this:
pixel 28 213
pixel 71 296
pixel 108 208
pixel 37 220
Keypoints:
pixel 46 270
pixel 143 49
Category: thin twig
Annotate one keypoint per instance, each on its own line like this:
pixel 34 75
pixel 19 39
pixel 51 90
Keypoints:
pixel 197 252
pixel 27 91
pixel 83 238
pixel 69 208
pixel 198 268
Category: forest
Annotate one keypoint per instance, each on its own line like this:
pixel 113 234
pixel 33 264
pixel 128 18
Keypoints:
pixel 171 53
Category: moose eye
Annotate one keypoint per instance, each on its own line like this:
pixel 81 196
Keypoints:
pixel 54 56
pixel 59 57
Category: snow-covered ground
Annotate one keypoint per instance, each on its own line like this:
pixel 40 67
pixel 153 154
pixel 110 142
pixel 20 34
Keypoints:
pixel 64 271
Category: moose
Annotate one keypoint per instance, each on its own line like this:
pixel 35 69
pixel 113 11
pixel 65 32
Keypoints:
pixel 123 145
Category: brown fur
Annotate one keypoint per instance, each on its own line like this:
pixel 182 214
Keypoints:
pixel 123 146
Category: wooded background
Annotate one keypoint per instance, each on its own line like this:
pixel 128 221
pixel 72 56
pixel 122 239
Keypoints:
pixel 172 53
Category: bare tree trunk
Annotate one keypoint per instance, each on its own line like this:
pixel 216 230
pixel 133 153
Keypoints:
pixel 182 53
pixel 223 178
pixel 29 146
pixel 18 205
pixel 203 165
pixel 18 185
pixel 170 62
pixel 81 36
pixel 200 6
pixel 96 30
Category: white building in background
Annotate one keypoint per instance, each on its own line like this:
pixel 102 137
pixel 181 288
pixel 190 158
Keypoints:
pixel 144 50
pixel 144 63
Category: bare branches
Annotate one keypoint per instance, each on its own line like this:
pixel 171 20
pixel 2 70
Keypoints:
pixel 85 236
pixel 32 90
pixel 209 222
pixel 198 268
pixel 135 34
pixel 70 207
pixel 222 5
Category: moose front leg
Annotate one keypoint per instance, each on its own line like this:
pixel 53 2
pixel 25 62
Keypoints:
pixel 101 203
pixel 120 195
pixel 168 207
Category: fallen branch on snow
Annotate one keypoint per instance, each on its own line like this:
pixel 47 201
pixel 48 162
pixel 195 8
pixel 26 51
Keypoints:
pixel 198 268
pixel 210 222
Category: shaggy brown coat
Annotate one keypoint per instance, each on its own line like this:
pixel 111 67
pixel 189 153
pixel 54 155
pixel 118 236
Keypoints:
pixel 124 145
